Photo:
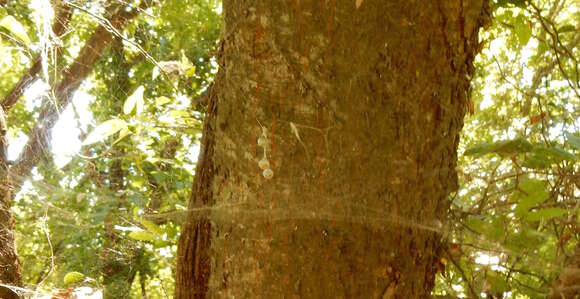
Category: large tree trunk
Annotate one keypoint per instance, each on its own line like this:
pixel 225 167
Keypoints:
pixel 357 106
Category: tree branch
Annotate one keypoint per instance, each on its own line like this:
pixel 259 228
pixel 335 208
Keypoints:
pixel 72 78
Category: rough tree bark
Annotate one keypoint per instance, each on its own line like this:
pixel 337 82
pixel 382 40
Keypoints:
pixel 357 107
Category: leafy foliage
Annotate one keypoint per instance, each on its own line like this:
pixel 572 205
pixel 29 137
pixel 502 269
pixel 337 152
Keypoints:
pixel 515 218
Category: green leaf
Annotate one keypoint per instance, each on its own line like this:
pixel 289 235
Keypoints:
pixel 573 140
pixel 567 28
pixel 159 176
pixel 542 157
pixel 557 153
pixel 186 65
pixel 142 236
pixel 512 147
pixel 105 130
pixel 532 192
pixel 503 148
pixel 479 149
pixel 73 278
pixel 522 30
pixel 493 229
pixel 525 238
pixel 546 214
pixel 16 28
pixel 135 100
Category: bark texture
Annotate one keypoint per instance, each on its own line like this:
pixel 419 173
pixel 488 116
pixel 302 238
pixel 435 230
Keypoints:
pixel 357 107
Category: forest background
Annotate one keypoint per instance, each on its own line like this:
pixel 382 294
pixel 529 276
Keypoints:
pixel 102 139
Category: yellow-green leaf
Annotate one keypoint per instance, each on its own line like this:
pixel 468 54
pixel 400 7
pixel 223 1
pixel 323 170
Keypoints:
pixel 522 30
pixel 142 236
pixel 151 227
pixel 105 130
pixel 546 214
pixel 16 28
pixel 162 100
pixel 567 28
pixel 73 278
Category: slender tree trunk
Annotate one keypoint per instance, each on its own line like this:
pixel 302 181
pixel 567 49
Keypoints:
pixel 119 253
pixel 357 107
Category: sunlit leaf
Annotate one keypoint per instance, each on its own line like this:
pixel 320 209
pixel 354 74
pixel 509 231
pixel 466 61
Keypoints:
pixel 105 130
pixel 151 227
pixel 162 100
pixel 124 132
pixel 73 278
pixel 135 100
pixel 142 236
pixel 16 28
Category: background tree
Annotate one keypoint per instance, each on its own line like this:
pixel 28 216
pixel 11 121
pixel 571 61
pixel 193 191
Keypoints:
pixel 82 180
pixel 515 219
